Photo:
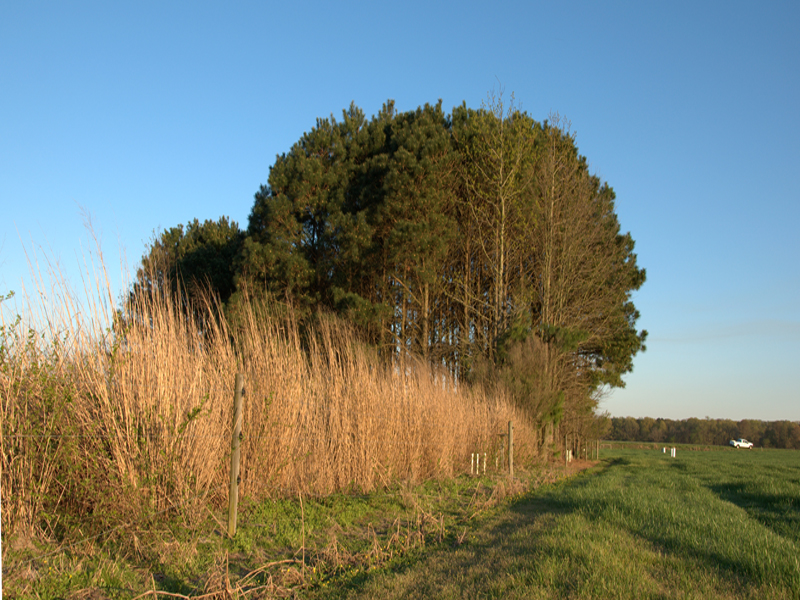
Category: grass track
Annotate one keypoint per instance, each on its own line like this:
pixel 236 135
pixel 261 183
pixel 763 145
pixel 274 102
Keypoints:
pixel 718 524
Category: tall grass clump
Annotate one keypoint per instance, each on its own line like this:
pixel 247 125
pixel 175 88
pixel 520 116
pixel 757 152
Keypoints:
pixel 115 414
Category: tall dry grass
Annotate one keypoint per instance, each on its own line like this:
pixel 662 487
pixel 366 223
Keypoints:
pixel 117 414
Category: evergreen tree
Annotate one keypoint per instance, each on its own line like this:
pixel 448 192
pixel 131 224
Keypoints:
pixel 194 260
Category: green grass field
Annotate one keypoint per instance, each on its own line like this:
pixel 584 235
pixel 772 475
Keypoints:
pixel 716 524
pixel 706 524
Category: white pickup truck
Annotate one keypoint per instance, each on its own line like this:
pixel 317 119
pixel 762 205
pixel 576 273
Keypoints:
pixel 741 443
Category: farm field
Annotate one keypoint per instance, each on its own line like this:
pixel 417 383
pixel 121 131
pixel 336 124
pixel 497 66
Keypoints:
pixel 715 524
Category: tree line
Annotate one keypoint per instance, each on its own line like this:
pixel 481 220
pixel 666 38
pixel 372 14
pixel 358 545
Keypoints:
pixel 766 434
pixel 476 241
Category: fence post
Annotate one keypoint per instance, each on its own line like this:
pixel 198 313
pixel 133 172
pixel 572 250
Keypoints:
pixel 511 448
pixel 233 493
pixel 503 453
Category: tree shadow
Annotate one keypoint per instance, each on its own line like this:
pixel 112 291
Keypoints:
pixel 778 512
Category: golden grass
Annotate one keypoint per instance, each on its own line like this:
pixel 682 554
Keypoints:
pixel 110 417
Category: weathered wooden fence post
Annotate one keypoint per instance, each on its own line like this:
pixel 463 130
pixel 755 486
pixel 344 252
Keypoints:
pixel 233 492
pixel 511 448
pixel 503 454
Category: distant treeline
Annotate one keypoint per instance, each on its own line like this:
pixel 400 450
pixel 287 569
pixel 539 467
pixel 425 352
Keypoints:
pixel 766 434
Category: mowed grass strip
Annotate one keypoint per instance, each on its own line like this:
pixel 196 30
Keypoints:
pixel 717 524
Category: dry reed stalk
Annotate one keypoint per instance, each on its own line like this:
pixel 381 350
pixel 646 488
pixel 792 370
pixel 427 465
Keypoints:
pixel 146 394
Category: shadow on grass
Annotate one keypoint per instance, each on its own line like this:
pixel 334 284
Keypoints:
pixel 478 564
pixel 694 535
pixel 779 512
pixel 486 559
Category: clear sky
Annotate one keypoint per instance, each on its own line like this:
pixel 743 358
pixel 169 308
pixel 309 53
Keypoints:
pixel 150 114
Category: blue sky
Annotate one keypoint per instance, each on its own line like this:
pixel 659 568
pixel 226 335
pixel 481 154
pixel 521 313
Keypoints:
pixel 149 114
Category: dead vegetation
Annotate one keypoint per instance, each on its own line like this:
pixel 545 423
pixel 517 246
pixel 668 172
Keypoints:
pixel 117 417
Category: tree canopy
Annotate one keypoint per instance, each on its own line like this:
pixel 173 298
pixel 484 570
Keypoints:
pixel 192 260
pixel 478 241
